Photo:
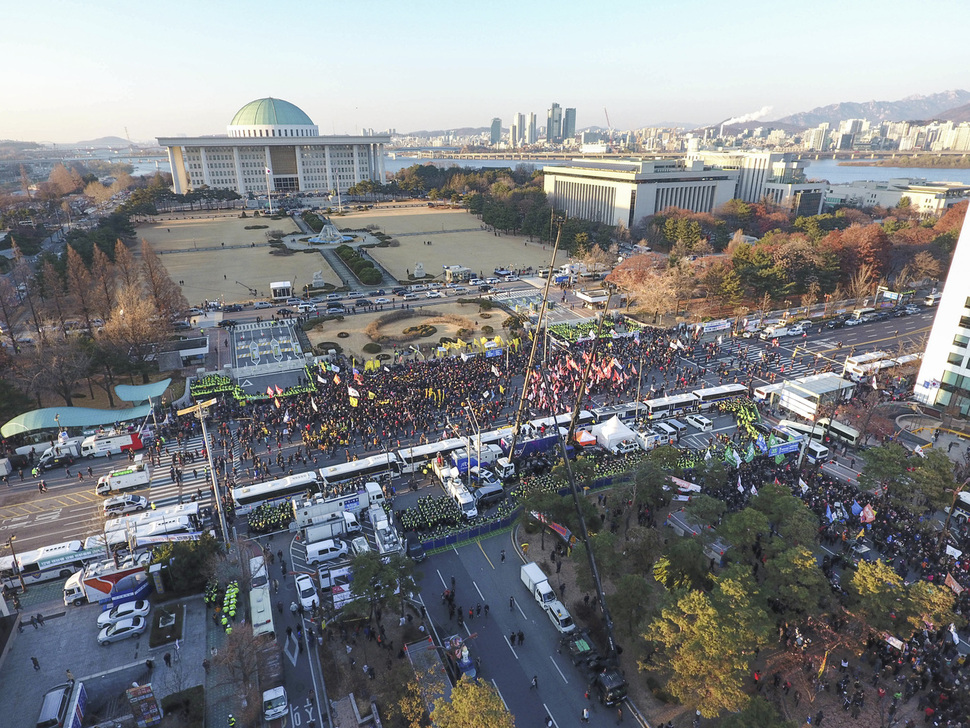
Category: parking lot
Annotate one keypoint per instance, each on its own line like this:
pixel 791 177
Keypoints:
pixel 68 641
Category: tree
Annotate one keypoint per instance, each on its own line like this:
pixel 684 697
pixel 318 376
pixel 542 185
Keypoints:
pixel 794 582
pixel 684 566
pixel 627 603
pixel 132 329
pixel 242 659
pixel 125 266
pixel 876 594
pixel 61 363
pixel 52 290
pixel 711 635
pixel 80 286
pixel 103 281
pixel 473 704
pixel 164 292
pixel 187 563
pixel 706 508
pixel 758 713
pixel 378 585
pixel 8 305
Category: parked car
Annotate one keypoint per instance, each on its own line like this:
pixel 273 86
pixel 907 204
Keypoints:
pixel 57 461
pixel 227 323
pixel 139 608
pixel 836 323
pixel 381 300
pixel 853 322
pixel 306 591
pixel 335 310
pixel 286 312
pixel 432 294
pixel 362 302
pixel 233 308
pixel 262 304
pixel 122 505
pixel 121 630
pixel 410 296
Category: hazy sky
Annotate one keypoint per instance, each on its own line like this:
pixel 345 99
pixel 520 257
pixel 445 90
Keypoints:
pixel 79 70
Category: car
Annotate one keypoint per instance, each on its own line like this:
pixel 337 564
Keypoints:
pixel 307 308
pixel 625 447
pixel 911 309
pixel 356 294
pixel 837 323
pixel 460 289
pixel 476 282
pixel 56 462
pixel 796 330
pixel 326 550
pixel 306 592
pixel 334 296
pixel 415 549
pixel 122 505
pixel 227 323
pixel 335 310
pixel 233 308
pixel 399 291
pixel 286 312
pixel 488 495
pixel 485 288
pixel 262 304
pixel 122 630
pixel 195 312
pixel 362 302
pixel 418 287
pixel 881 316
pixel 434 285
pixel 359 546
pixel 900 313
pixel 181 325
pixel 128 610
pixel 512 279
pixel 853 322
pixel 484 476
pixel 410 296
pixel 293 301
pixel 382 300
pixel 432 294
pixel 491 281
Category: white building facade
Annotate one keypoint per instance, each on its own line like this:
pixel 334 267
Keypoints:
pixel 944 374
pixel 272 146
pixel 625 192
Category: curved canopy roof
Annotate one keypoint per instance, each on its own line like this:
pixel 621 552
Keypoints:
pixel 270 112
pixel 84 417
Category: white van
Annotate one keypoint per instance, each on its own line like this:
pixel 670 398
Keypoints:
pixel 325 551
pixel 559 617
pixel 679 426
pixel 666 430
pixel 816 452
pixel 700 422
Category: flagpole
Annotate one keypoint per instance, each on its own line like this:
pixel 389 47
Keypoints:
pixel 269 192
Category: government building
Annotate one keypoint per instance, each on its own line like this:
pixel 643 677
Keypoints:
pixel 272 145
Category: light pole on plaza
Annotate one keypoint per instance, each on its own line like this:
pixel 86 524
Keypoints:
pixel 16 565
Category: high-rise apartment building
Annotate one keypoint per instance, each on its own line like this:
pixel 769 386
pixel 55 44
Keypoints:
pixel 944 373
pixel 496 132
pixel 554 123
pixel 532 131
pixel 517 133
pixel 569 124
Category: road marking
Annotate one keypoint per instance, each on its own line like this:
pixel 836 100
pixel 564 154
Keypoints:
pixel 549 713
pixel 514 654
pixel 558 670
pixel 500 695
pixel 486 558
pixel 478 590
pixel 296 649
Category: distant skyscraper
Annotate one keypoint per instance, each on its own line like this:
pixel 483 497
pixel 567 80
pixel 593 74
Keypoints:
pixel 532 131
pixel 569 124
pixel 496 135
pixel 517 134
pixel 554 123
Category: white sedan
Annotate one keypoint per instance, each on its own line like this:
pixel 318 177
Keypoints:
pixel 307 592
pixel 124 629
pixel 432 294
pixel 127 610
pixel 382 300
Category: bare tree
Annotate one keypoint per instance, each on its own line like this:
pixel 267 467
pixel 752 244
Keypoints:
pixel 52 288
pixel 103 275
pixel 80 286
pixel 133 328
pixel 97 192
pixel 862 282
pixel 62 363
pixel 125 266
pixel 8 304
pixel 166 295
pixel 24 279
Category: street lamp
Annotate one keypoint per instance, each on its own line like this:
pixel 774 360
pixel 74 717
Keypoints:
pixel 16 565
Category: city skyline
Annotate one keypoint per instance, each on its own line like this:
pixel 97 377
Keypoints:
pixel 671 67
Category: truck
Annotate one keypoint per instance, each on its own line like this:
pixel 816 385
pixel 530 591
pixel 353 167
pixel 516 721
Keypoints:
pixel 114 443
pixel 466 504
pixel 332 525
pixel 605 678
pixel 310 511
pixel 138 474
pixel 433 677
pixel 275 702
pixel 385 535
pixel 108 583
pixel 537 583
pixel 70 449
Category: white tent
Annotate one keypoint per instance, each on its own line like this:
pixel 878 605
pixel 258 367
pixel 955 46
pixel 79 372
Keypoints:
pixel 612 432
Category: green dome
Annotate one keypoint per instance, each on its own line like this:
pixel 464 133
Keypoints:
pixel 270 112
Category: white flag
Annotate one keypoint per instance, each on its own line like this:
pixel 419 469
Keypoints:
pixel 353 392
pixel 313 404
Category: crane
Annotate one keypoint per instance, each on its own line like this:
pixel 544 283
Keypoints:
pixel 608 124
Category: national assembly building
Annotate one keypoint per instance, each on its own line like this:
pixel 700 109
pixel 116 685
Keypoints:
pixel 272 145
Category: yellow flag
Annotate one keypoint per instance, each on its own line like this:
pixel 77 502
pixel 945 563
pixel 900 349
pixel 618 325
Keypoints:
pixel 371 395
pixel 353 401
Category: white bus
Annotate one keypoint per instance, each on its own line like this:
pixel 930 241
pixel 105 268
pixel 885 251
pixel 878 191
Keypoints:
pixel 372 468
pixel 671 406
pixel 840 431
pixel 707 397
pixel 47 563
pixel 412 459
pixel 247 497
pixel 861 312
pixel 815 451
pixel 260 604
pixel 932 299
pixel 626 412
pixel 864 364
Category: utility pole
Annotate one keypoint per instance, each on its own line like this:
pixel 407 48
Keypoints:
pixel 199 411
pixel 16 564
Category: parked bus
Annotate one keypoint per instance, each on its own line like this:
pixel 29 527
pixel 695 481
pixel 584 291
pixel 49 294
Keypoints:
pixel 248 497
pixel 815 451
pixel 707 397
pixel 412 459
pixel 47 563
pixel 626 412
pixel 840 431
pixel 372 468
pixel 260 603
pixel 862 312
pixel 671 406
pixel 864 364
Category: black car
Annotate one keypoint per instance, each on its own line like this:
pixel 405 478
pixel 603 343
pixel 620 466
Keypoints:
pixel 57 461
pixel 228 323
pixel 286 312
pixel 900 312
pixel 233 308
pixel 361 302
pixel 485 288
pixel 398 291
pixel 835 323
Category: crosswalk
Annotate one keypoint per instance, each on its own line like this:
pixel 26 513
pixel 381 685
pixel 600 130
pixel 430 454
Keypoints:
pixel 796 359
pixel 165 491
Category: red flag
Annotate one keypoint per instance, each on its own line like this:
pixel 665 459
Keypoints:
pixel 336 379
pixel 269 391
pixel 278 390
pixel 277 403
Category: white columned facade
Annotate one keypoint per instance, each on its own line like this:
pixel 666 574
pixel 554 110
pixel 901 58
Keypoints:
pixel 331 179
pixel 176 177
pixel 356 165
pixel 380 162
pixel 237 163
pixel 205 166
pixel 299 167
pixel 270 185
